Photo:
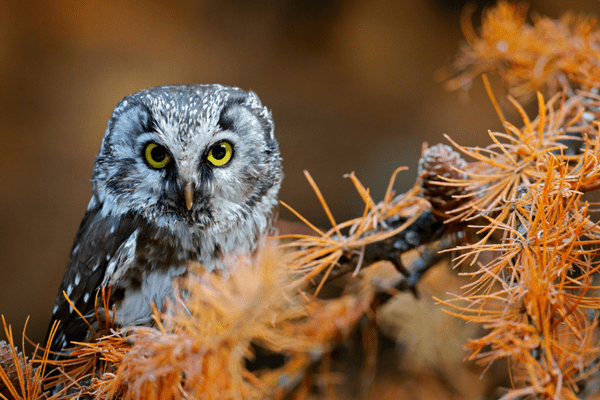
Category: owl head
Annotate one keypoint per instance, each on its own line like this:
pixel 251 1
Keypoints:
pixel 188 157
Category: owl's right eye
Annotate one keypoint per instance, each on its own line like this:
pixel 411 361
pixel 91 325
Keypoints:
pixel 156 155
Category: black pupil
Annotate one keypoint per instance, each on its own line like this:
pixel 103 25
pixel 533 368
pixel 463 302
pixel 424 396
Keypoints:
pixel 219 151
pixel 158 153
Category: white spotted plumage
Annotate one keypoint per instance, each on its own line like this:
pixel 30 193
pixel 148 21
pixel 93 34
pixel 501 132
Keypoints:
pixel 144 223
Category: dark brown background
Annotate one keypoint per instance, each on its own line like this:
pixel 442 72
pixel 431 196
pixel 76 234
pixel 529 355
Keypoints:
pixel 350 84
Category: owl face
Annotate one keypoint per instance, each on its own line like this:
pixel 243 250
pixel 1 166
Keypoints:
pixel 188 157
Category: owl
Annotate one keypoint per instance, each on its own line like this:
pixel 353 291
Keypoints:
pixel 184 173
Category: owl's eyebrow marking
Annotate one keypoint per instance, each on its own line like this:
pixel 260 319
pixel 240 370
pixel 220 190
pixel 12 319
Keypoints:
pixel 152 125
pixel 225 121
pixel 148 122
pixel 225 118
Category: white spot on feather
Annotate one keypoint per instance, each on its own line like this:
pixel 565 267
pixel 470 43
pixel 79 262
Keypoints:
pixel 93 203
pixel 77 280
pixel 86 297
pixel 123 257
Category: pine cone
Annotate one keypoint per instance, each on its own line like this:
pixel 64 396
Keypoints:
pixel 7 363
pixel 437 162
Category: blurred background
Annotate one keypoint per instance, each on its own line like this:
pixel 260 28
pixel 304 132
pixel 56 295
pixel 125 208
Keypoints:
pixel 350 83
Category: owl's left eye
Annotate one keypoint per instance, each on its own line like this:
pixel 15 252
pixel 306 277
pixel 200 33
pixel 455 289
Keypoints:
pixel 156 155
pixel 220 154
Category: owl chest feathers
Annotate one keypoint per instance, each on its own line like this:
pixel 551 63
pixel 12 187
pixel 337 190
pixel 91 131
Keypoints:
pixel 141 259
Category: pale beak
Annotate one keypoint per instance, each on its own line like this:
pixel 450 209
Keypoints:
pixel 188 193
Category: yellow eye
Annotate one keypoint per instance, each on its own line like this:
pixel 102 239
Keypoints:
pixel 220 154
pixel 156 155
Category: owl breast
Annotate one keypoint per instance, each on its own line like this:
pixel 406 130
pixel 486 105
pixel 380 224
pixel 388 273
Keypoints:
pixel 144 267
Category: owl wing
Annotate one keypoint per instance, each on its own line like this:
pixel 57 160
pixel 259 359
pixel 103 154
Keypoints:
pixel 100 240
